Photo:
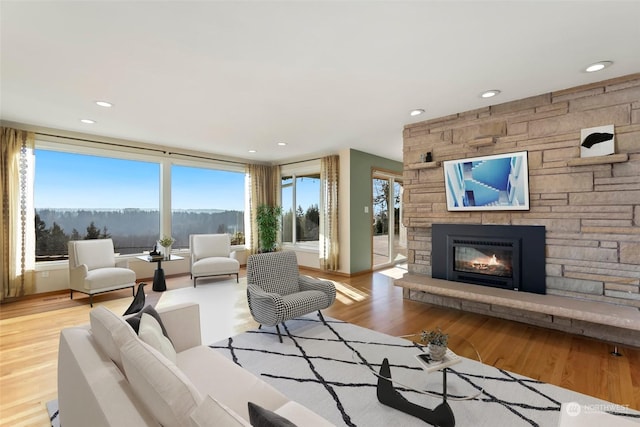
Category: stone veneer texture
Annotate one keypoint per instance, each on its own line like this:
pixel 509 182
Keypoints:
pixel 591 212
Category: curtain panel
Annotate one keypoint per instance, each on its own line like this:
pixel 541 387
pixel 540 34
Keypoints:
pixel 18 229
pixel 264 183
pixel 329 243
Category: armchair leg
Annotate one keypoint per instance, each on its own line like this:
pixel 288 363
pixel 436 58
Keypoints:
pixel 71 296
pixel 90 300
pixel 321 317
pixel 194 282
pixel 279 335
pixel 237 278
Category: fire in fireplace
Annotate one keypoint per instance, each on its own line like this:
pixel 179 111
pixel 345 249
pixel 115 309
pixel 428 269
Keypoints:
pixel 490 255
pixel 492 262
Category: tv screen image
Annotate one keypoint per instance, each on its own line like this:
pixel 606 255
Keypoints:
pixel 498 182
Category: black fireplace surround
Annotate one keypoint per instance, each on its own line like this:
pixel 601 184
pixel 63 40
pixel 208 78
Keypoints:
pixel 502 256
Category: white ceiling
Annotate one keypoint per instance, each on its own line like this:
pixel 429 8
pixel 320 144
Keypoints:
pixel 227 77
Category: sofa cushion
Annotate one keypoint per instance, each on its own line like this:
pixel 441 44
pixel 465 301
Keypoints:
pixel 215 265
pixel 210 245
pixel 108 277
pixel 210 372
pixel 301 415
pixel 158 383
pixel 261 417
pixel 212 413
pixel 110 332
pixel 96 253
pixel 134 320
pixel 151 333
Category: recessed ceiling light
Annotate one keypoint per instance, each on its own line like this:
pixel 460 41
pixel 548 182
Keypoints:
pixel 416 112
pixel 104 104
pixel 598 66
pixel 282 144
pixel 252 151
pixel 88 121
pixel 490 93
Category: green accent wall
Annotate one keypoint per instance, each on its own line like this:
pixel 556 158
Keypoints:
pixel 361 165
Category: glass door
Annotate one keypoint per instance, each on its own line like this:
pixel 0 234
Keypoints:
pixel 389 236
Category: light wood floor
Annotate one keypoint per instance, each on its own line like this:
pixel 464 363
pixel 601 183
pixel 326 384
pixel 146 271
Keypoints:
pixel 29 333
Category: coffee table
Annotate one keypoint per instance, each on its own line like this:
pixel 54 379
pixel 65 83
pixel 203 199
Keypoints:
pixel 407 373
pixel 159 282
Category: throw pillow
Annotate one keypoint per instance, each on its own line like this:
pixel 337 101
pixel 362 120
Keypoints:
pixel 134 321
pixel 261 417
pixel 151 333
pixel 212 413
pixel 159 384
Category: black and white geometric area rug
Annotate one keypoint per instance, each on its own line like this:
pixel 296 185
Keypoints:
pixel 324 367
pixel 54 413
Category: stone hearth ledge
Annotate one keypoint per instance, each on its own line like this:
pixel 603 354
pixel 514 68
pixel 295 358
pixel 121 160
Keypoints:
pixel 598 313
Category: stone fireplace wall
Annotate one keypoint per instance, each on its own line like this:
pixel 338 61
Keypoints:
pixel 591 209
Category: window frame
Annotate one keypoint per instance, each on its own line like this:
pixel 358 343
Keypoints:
pixel 235 168
pixel 152 155
pixel 299 170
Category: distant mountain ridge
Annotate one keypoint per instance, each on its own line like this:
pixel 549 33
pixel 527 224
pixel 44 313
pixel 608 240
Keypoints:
pixel 133 230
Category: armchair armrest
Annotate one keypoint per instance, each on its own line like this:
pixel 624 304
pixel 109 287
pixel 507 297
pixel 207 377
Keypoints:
pixel 266 307
pixel 77 276
pixel 182 322
pixel 307 283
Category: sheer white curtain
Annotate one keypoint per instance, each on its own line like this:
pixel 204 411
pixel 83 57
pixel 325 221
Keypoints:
pixel 264 184
pixel 17 247
pixel 329 243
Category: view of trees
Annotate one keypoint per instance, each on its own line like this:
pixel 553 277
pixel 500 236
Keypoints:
pixel 307 224
pixel 132 230
pixel 381 199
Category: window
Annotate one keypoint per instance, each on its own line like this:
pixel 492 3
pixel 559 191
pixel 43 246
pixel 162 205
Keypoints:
pixel 79 196
pixel 300 208
pixel 89 193
pixel 206 201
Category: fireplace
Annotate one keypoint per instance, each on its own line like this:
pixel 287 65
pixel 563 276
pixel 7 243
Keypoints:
pixel 508 257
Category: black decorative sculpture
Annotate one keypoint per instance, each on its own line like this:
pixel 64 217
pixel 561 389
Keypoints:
pixel 138 301
pixel 596 138
pixel 441 416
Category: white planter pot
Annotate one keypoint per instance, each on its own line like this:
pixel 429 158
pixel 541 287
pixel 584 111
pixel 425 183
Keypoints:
pixel 437 352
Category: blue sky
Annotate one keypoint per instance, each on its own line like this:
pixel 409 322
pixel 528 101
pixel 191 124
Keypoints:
pixel 66 180
pixel 72 181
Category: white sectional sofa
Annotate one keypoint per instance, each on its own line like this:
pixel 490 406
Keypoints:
pixel 107 376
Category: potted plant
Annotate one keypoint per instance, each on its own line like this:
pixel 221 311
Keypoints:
pixel 166 243
pixel 437 341
pixel 237 238
pixel 268 219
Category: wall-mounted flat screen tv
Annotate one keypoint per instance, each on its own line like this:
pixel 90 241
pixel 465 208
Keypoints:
pixel 499 182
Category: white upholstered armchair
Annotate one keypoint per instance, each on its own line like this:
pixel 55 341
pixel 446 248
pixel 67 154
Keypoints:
pixel 93 268
pixel 211 255
pixel 277 292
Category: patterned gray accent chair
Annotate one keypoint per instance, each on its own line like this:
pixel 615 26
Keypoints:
pixel 277 292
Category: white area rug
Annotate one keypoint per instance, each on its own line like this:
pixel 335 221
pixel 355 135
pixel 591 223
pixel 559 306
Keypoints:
pixel 219 305
pixel 316 366
pixel 54 413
